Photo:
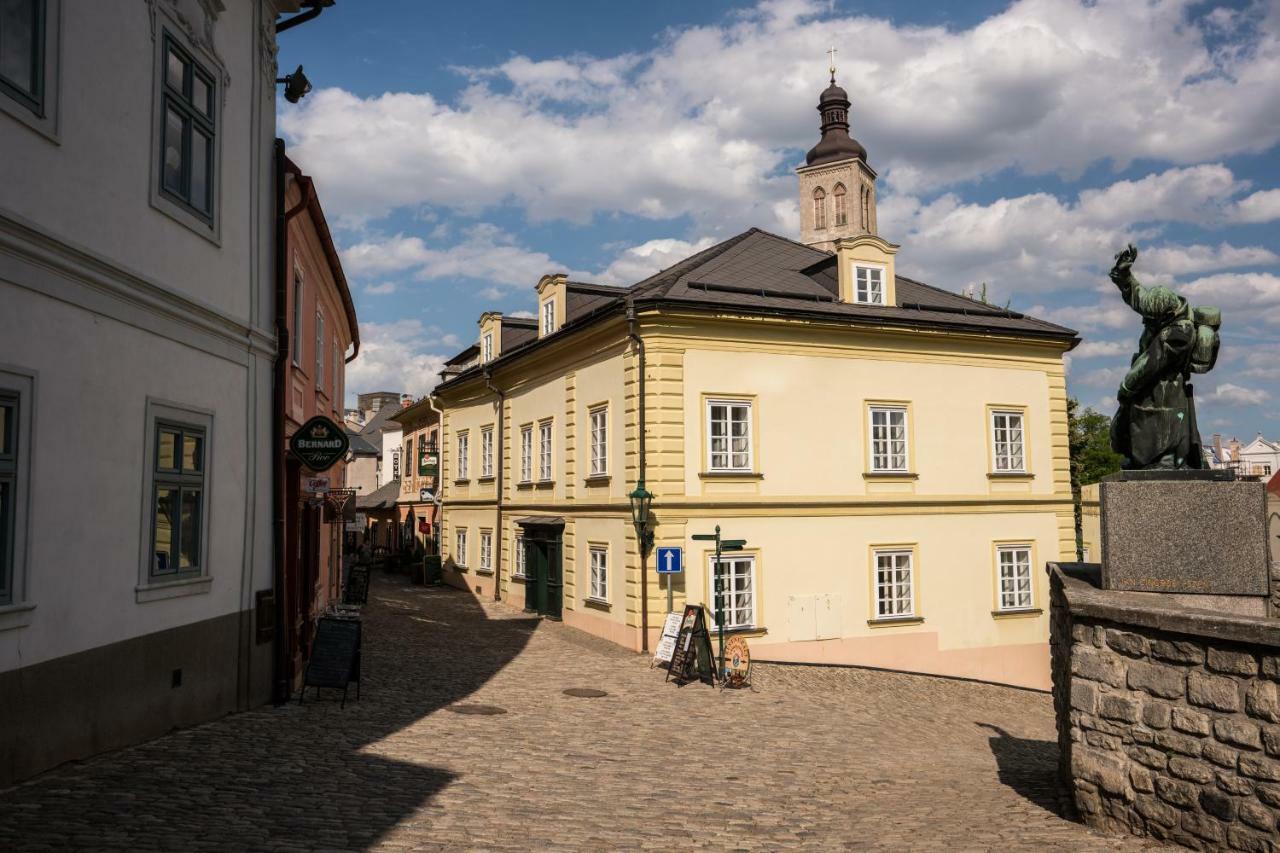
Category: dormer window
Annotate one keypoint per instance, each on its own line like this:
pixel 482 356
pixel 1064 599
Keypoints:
pixel 486 348
pixel 548 317
pixel 819 208
pixel 868 285
pixel 842 214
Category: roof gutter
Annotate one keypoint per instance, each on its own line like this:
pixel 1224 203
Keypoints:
pixel 317 6
pixel 497 524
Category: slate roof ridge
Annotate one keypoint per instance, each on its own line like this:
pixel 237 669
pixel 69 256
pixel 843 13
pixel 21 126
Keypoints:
pixel 595 287
pixel 529 322
pixel 658 283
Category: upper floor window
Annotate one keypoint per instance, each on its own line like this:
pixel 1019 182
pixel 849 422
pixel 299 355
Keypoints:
pixel 464 449
pixel 1007 442
pixel 337 374
pixel 1014 562
pixel 319 350
pixel 408 455
pixel 22 41
pixel 548 316
pixel 729 435
pixel 889 438
pixel 486 452
pixel 297 315
pixel 866 208
pixel 869 285
pixel 544 451
pixel 486 347
pixel 819 208
pixel 187 130
pixel 526 454
pixel 842 212
pixel 599 441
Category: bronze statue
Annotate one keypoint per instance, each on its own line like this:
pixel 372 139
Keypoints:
pixel 1155 427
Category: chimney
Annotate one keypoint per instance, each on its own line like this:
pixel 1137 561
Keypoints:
pixel 406 400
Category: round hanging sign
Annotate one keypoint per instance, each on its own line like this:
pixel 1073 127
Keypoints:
pixel 737 661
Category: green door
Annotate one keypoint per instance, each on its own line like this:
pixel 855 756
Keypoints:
pixel 544 588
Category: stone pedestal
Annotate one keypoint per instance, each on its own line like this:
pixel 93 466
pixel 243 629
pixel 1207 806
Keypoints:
pixel 1190 532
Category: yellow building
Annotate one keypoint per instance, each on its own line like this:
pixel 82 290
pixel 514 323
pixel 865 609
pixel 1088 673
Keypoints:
pixel 894 455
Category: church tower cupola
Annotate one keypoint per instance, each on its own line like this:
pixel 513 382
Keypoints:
pixel 837 187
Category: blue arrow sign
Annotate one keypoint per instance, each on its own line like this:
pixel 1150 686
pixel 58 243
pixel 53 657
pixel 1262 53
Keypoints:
pixel 670 561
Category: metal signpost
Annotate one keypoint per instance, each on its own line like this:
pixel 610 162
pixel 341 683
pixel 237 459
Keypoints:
pixel 670 562
pixel 722 546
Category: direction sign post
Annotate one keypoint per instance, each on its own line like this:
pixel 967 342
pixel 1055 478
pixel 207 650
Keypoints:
pixel 722 545
pixel 670 562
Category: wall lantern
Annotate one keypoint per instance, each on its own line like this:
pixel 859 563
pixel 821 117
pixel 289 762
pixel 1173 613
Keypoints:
pixel 641 499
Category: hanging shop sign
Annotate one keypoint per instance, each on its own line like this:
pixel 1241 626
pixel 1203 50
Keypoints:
pixel 424 526
pixel 693 659
pixel 315 485
pixel 428 461
pixel 319 443
pixel 340 505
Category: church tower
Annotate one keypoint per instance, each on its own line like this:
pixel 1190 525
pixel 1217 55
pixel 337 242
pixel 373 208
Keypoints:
pixel 837 187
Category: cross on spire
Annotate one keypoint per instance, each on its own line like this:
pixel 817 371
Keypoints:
pixel 831 51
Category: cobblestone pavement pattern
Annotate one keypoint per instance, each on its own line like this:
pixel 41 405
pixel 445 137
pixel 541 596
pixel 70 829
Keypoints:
pixel 812 758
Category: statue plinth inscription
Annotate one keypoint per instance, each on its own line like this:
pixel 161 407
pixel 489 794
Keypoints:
pixel 1197 532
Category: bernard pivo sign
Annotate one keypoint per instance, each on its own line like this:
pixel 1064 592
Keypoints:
pixel 319 443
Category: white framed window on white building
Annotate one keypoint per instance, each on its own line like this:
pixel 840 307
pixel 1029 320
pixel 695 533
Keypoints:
pixel 464 455
pixel 738 587
pixel 486 551
pixel 526 453
pixel 1007 442
pixel 599 418
pixel 17 402
pixel 545 469
pixel 729 437
pixel 889 432
pixel 868 285
pixel 520 557
pixel 1013 563
pixel 895 584
pixel 460 548
pixel 599 555
pixel 486 451
pixel 548 317
pixel 486 347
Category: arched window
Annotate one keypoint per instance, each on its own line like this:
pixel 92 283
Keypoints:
pixel 842 215
pixel 819 208
pixel 866 208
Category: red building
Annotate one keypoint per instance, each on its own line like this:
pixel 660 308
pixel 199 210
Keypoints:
pixel 322 337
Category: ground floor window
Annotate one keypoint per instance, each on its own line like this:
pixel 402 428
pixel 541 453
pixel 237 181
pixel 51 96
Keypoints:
pixel 1014 562
pixel 520 557
pixel 599 572
pixel 486 551
pixel 895 584
pixel 460 552
pixel 737 588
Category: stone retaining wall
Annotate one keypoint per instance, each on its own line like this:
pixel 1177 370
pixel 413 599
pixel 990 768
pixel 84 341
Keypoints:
pixel 1168 717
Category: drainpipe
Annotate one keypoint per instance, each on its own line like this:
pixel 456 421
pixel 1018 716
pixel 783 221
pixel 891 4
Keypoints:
pixel 499 461
pixel 644 556
pixel 280 689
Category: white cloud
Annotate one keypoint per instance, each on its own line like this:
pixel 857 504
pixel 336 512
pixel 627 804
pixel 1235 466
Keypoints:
pixel 1262 206
pixel 383 289
pixel 1236 395
pixel 700 124
pixel 394 356
pixel 1181 260
pixel 640 262
pixel 1096 349
pixel 1244 298
pixel 1101 377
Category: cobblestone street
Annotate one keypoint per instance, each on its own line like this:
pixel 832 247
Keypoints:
pixel 811 758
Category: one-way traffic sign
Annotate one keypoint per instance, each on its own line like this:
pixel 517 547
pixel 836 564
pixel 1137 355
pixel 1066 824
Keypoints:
pixel 670 561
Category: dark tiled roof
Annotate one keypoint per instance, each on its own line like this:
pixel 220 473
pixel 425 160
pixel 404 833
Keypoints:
pixel 359 446
pixel 518 331
pixel 381 498
pixel 759 272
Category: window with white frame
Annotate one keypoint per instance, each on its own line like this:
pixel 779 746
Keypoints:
pixel 1007 442
pixel 337 373
pixel 486 550
pixel 464 452
pixel 548 316
pixel 526 453
pixel 889 439
pixel 599 441
pixel 319 349
pixel 729 435
pixel 895 584
pixel 868 285
pixel 1014 563
pixel 520 557
pixel 736 577
pixel 599 572
pixel 297 315
pixel 544 451
pixel 486 452
pixel 486 347
pixel 460 548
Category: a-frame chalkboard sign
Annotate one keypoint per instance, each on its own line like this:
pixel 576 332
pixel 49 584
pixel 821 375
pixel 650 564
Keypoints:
pixel 335 657
pixel 693 659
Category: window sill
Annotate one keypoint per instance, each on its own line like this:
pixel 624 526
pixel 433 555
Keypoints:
pixel 488 573
pixel 465 481
pixel 524 484
pixel 597 603
pixel 890 475
pixel 486 479
pixel 544 484
pixel 731 475
pixel 16 615
pixel 172 589
pixel 1010 475
pixel 459 569
pixel 520 578
pixel 744 631
pixel 1017 614
pixel 597 480
pixel 891 621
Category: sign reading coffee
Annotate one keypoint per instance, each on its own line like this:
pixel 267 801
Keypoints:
pixel 319 443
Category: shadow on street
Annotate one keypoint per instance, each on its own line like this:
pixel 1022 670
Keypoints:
pixel 1029 767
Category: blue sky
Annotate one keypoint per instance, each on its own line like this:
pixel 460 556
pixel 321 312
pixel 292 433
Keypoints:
pixel 463 150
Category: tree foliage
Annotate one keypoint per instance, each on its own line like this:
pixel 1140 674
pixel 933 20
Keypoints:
pixel 1089 439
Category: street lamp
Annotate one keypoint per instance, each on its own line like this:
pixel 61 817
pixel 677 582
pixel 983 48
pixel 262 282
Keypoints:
pixel 641 499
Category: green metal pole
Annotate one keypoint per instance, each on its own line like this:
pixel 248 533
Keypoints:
pixel 720 602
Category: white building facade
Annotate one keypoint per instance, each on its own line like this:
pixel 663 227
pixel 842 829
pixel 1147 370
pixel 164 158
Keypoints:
pixel 136 352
